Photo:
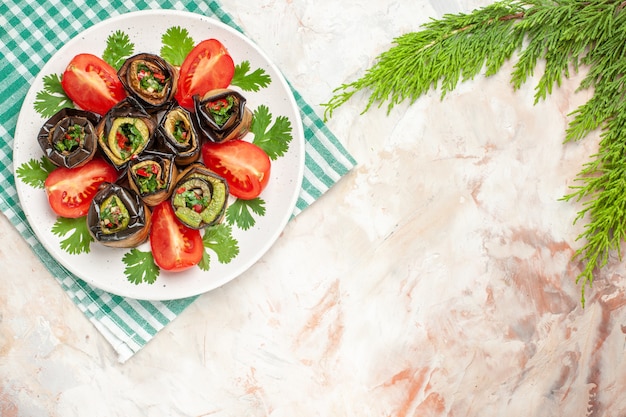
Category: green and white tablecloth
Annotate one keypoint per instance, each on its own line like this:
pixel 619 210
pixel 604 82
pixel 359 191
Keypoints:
pixel 31 32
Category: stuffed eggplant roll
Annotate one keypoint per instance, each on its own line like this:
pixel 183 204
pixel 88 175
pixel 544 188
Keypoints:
pixel 177 133
pixel 152 175
pixel 222 115
pixel 118 217
pixel 200 196
pixel 69 138
pixel 150 79
pixel 125 132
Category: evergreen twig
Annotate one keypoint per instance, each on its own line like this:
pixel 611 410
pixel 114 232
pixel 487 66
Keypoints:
pixel 563 34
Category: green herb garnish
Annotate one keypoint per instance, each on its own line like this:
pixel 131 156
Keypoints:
pixel 52 98
pixel 148 184
pixel 240 212
pixel 149 80
pixel 75 235
pixel 73 139
pixel 129 139
pixel 34 172
pixel 180 133
pixel 219 239
pixel 176 45
pixel 118 49
pixel 195 200
pixel 140 267
pixel 273 139
pixel 250 81
pixel 221 110
pixel 148 179
pixel 114 216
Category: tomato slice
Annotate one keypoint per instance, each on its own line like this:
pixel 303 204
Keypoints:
pixel 92 84
pixel 208 66
pixel 70 190
pixel 245 166
pixel 175 247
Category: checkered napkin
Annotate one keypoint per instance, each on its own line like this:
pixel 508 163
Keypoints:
pixel 31 32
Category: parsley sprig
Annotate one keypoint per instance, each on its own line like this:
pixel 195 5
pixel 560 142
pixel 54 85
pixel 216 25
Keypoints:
pixel 219 240
pixel 273 138
pixel 140 267
pixel 35 171
pixel 75 235
pixel 52 98
pixel 176 45
pixel 118 49
pixel 240 212
pixel 250 81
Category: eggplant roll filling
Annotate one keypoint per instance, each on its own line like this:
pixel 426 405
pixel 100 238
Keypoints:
pixel 199 197
pixel 177 133
pixel 222 115
pixel 125 132
pixel 69 137
pixel 149 79
pixel 152 176
pixel 117 217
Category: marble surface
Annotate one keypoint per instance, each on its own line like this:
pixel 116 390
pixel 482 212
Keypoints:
pixel 434 280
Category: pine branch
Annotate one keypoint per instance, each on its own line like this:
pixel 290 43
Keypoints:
pixel 564 35
pixel 452 49
pixel 603 191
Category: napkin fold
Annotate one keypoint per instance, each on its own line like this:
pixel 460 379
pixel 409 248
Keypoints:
pixel 30 33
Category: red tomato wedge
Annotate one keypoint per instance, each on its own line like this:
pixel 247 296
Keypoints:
pixel 175 247
pixel 208 66
pixel 245 166
pixel 92 84
pixel 70 190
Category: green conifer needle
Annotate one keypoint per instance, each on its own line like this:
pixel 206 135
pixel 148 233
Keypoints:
pixel 563 35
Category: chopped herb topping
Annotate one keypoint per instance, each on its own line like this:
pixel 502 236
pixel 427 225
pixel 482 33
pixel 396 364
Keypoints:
pixel 129 139
pixel 194 199
pixel 180 133
pixel 149 80
pixel 73 138
pixel 222 109
pixel 148 178
pixel 113 215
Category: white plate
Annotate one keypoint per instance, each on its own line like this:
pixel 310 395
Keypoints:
pixel 102 267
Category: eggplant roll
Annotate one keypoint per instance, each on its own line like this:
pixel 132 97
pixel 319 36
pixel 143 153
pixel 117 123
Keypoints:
pixel 69 138
pixel 200 197
pixel 149 79
pixel 125 132
pixel 177 133
pixel 222 115
pixel 152 175
pixel 117 217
